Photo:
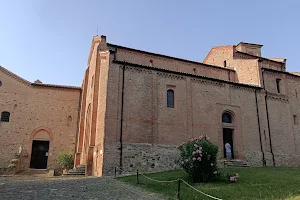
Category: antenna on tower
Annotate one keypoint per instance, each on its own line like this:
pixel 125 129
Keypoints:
pixel 97 30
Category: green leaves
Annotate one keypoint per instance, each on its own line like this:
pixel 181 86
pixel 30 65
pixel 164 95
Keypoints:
pixel 65 160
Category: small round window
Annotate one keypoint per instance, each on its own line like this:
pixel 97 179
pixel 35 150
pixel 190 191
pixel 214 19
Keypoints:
pixel 0 83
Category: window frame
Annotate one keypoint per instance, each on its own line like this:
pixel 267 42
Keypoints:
pixel 5 116
pixel 172 103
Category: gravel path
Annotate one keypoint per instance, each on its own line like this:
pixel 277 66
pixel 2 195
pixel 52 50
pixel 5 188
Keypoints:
pixel 40 188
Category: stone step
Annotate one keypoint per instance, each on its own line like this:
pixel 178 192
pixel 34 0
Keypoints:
pixel 235 163
pixel 78 171
pixel 74 173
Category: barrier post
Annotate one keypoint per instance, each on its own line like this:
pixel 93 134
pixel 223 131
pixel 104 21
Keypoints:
pixel 137 176
pixel 178 193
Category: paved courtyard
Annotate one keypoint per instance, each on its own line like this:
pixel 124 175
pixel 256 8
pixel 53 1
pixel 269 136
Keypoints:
pixel 32 188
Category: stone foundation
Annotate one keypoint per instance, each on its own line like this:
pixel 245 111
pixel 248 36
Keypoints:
pixel 283 160
pixel 145 157
pixel 253 158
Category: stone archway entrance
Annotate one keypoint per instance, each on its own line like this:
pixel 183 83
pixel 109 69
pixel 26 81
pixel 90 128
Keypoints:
pixel 40 145
pixel 39 154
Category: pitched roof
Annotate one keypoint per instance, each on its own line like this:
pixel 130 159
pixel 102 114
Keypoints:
pixel 259 57
pixel 169 57
pixel 18 78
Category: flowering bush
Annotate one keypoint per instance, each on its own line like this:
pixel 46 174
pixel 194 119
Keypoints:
pixel 233 177
pixel 198 158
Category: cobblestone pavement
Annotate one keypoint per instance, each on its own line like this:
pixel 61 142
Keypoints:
pixel 40 188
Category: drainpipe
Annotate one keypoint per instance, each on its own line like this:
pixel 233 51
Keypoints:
pixel 267 110
pixel 121 124
pixel 259 130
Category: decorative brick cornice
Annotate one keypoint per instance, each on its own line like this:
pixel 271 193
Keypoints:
pixel 183 74
pixel 171 76
pixel 277 98
pixel 281 74
pixel 236 87
pixel 274 73
pixel 139 70
pixel 208 82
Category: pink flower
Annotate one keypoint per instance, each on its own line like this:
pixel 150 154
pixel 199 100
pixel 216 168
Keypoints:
pixel 211 164
pixel 199 158
pixel 207 138
pixel 195 145
pixel 186 160
pixel 200 137
pixel 194 159
pixel 192 139
pixel 194 152
pixel 232 178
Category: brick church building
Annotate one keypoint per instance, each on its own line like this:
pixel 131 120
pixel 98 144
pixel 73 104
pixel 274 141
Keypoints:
pixel 135 107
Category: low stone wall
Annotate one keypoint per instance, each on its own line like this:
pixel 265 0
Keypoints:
pixel 145 157
pixel 283 160
pixel 253 158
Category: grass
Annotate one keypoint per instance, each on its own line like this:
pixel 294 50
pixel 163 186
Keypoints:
pixel 254 183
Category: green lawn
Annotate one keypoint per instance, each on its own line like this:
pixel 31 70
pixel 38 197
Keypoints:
pixel 254 183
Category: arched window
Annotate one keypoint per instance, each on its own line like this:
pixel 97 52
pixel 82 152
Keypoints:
pixel 170 98
pixel 5 116
pixel 224 63
pixel 278 85
pixel 226 118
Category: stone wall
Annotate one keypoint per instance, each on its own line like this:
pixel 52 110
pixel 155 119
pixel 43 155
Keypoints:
pixel 142 156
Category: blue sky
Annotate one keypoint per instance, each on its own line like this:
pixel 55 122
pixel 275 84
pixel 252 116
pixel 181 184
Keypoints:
pixel 50 39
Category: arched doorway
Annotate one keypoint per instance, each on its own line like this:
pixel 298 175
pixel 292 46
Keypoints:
pixel 228 131
pixel 41 139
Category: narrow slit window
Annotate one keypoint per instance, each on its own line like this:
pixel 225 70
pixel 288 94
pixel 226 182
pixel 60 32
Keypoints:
pixel 5 116
pixel 170 98
pixel 295 119
pixel 278 85
pixel 225 64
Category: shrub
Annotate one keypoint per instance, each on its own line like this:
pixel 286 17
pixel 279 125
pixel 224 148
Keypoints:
pixel 65 160
pixel 198 158
pixel 11 165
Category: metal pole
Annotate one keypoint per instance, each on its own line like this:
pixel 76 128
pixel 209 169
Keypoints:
pixel 137 176
pixel 178 193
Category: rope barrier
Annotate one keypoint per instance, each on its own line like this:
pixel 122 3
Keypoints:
pixel 172 181
pixel 200 191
